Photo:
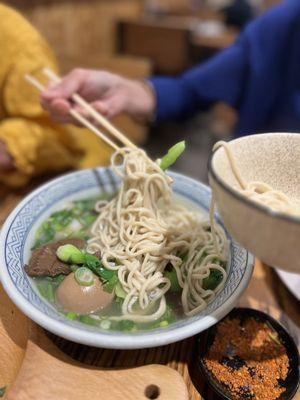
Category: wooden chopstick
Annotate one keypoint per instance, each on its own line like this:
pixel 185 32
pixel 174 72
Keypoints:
pixel 75 114
pixel 97 116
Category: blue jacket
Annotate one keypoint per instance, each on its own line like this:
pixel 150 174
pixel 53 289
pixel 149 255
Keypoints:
pixel 259 76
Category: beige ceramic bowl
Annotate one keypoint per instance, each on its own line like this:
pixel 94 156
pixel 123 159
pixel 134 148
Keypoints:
pixel 273 158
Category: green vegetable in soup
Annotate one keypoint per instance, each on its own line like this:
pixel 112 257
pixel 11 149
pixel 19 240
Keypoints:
pixel 46 290
pixel 56 280
pixel 45 234
pixel 47 286
pixel 203 255
pixel 213 280
pixel 81 206
pixel 165 320
pixel 75 221
pixel 71 316
pixel 110 285
pixel 219 262
pixel 126 325
pixel 183 257
pixel 86 319
pixel 170 273
pixel 81 234
pixel 84 276
pixel 70 254
pixel 108 277
pixel 164 324
pixel 173 153
pixel 119 291
pixel 105 324
pixel 69 222
pixel 93 263
pixel 61 219
pixel 87 218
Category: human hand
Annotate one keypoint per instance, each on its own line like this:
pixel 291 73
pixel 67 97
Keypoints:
pixel 6 161
pixel 108 93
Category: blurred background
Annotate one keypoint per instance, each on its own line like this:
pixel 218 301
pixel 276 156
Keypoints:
pixel 137 38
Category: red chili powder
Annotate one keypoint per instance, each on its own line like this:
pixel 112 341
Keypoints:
pixel 248 359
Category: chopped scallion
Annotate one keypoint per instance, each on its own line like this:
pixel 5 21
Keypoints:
pixel 71 316
pixel 84 276
pixel 105 324
pixel 70 254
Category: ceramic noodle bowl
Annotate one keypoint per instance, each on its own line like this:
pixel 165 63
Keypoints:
pixel 18 236
pixel 272 158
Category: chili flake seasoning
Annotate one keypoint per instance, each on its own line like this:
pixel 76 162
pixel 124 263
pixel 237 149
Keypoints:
pixel 248 358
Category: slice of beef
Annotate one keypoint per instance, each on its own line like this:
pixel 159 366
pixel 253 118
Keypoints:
pixel 44 261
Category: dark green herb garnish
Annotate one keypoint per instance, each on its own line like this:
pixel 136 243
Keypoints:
pixel 61 219
pixel 184 256
pixel 213 280
pixel 86 319
pixel 126 325
pixel 60 222
pixel 108 278
pixel 56 280
pixel 170 273
pixel 2 391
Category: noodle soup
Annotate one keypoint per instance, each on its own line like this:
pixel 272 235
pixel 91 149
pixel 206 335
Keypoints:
pixel 139 260
pixel 75 221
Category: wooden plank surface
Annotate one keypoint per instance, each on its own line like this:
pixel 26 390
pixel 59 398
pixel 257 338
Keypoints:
pixel 265 292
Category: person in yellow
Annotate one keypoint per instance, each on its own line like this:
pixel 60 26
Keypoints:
pixel 30 143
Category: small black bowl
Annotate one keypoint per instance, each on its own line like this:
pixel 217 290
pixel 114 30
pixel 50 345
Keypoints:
pixel 204 380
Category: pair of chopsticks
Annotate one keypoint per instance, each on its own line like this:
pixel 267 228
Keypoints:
pixel 100 119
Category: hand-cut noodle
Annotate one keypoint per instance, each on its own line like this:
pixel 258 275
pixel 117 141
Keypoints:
pixel 141 231
pixel 259 191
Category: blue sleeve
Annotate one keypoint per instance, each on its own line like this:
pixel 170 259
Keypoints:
pixel 226 77
pixel 219 79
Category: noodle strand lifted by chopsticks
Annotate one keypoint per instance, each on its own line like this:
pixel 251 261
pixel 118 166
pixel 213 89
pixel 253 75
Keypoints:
pixel 259 191
pixel 141 231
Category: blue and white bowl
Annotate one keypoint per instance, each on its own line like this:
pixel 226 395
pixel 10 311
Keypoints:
pixel 17 237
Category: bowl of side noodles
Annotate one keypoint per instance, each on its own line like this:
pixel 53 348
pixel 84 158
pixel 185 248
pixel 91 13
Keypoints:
pixel 122 257
pixel 256 186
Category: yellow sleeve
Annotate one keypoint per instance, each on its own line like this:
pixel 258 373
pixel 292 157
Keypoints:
pixel 35 150
pixel 36 144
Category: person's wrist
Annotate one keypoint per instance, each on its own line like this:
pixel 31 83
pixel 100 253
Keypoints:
pixel 150 113
pixel 143 101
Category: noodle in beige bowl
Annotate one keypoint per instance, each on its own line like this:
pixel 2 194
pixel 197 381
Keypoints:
pixel 122 257
pixel 256 185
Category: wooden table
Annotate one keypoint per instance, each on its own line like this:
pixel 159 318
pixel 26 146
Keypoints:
pixel 265 292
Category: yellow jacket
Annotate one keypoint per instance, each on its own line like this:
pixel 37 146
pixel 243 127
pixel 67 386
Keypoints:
pixel 36 144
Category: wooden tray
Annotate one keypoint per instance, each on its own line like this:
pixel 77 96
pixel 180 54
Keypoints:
pixel 33 368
